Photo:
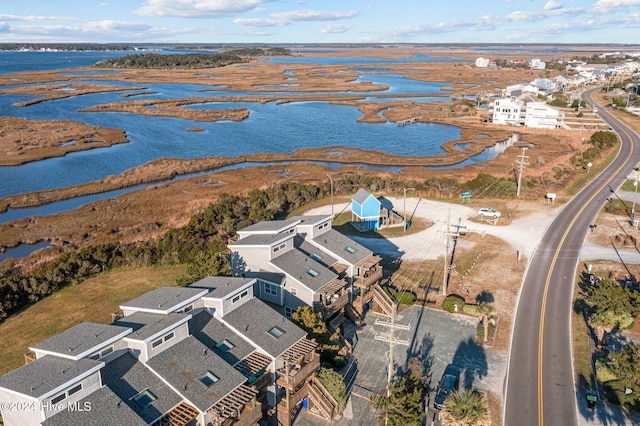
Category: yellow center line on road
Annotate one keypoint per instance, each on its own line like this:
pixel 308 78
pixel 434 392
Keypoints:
pixel 548 281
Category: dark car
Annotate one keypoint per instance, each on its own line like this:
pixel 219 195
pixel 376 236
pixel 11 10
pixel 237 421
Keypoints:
pixel 448 385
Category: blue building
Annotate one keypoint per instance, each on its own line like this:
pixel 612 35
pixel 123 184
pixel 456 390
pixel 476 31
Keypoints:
pixel 365 209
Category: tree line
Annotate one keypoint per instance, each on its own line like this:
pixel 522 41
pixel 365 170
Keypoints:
pixel 196 244
pixel 199 243
pixel 191 60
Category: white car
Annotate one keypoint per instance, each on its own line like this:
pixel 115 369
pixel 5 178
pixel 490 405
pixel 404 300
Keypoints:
pixel 489 212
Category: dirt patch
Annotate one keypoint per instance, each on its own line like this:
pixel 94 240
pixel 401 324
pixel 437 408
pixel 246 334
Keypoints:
pixel 23 141
pixel 613 230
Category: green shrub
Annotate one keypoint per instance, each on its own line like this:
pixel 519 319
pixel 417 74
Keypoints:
pixel 331 357
pixel 603 373
pixel 400 296
pixel 471 310
pixel 491 331
pixel 451 300
pixel 334 382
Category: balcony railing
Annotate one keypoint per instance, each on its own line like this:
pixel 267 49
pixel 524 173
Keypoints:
pixel 249 416
pixel 298 375
pixel 336 305
pixel 295 398
pixel 368 279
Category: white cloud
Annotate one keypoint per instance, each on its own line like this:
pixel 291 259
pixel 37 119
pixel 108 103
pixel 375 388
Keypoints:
pixel 259 22
pixel 35 18
pixel 552 5
pixel 280 19
pixel 488 22
pixel 314 15
pixel 4 27
pixel 335 29
pixel 608 6
pixel 198 8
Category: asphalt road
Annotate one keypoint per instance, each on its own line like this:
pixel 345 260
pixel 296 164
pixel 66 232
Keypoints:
pixel 540 384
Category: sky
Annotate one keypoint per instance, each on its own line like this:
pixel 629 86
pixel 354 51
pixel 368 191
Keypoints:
pixel 319 21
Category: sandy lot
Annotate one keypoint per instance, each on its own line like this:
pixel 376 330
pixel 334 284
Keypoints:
pixel 522 233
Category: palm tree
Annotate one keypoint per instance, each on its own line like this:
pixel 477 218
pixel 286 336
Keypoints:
pixel 466 408
pixel 485 309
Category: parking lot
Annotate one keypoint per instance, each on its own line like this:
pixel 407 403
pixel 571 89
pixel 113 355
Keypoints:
pixel 438 339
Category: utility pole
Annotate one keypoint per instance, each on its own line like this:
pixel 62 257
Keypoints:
pixel 521 161
pixel 392 342
pixel 445 273
pixel 331 179
pixel 405 207
pixel 446 270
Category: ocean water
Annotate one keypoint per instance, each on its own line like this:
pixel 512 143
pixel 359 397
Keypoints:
pixel 269 128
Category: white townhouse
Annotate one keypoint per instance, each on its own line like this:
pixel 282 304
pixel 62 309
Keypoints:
pixel 209 353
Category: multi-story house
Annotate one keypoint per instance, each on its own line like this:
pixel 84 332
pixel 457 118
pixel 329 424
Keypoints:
pixel 208 354
pixel 303 261
pixel 527 111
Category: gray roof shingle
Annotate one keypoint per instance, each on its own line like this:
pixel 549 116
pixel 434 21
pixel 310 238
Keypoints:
pixel 220 287
pixel 164 299
pixel 184 363
pixel 146 325
pixel 260 240
pixel 336 243
pixel 42 377
pixel 270 226
pixel 255 318
pixel 361 196
pixel 127 377
pixel 304 269
pixel 315 253
pixel 212 332
pixel 82 340
pixel 311 219
pixel 107 409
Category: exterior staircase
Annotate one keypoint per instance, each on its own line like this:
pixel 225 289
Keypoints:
pixel 354 315
pixel 322 401
pixel 383 300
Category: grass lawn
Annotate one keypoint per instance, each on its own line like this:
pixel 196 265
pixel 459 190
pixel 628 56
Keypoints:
pixel 92 300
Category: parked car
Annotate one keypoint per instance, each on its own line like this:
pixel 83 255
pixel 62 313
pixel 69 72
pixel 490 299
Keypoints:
pixel 448 385
pixel 489 212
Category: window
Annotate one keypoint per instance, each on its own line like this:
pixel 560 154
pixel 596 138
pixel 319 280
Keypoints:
pixel 350 249
pixel 106 352
pixel 244 294
pixel 316 257
pixel 276 332
pixel 235 299
pixel 208 378
pixel 59 398
pixel 280 247
pixel 158 342
pixel 101 354
pixel 144 398
pixel 225 346
pixel 293 290
pixel 187 309
pixel 77 388
pixel 288 311
pixel 271 289
pixel 312 272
